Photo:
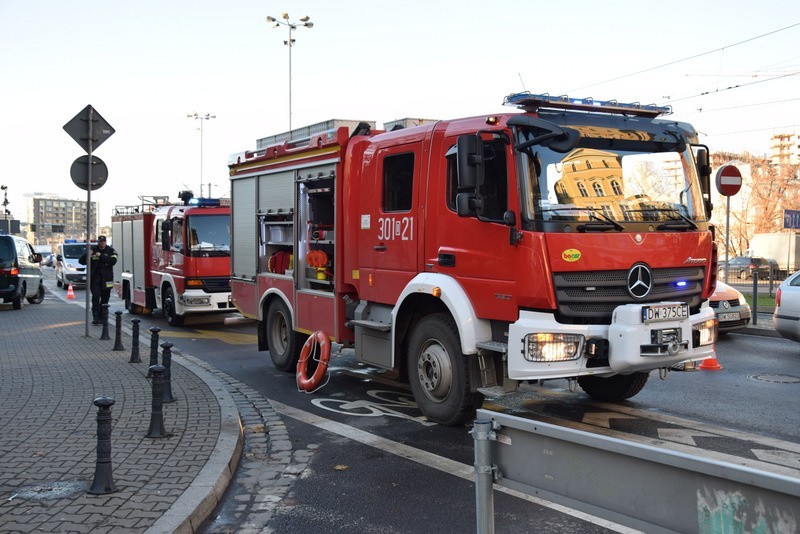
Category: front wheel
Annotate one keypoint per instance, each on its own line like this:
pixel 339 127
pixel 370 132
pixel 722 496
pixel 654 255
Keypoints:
pixel 439 372
pixel 38 298
pixel 283 342
pixel 169 309
pixel 613 388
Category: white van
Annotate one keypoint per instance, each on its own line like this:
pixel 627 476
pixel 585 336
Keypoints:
pixel 68 270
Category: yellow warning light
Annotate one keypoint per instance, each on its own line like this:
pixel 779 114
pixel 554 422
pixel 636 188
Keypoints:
pixel 436 292
pixel 491 120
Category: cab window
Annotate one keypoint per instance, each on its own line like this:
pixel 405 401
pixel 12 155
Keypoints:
pixel 398 182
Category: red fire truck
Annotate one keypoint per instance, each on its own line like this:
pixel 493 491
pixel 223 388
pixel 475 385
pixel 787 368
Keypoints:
pixel 175 257
pixel 570 240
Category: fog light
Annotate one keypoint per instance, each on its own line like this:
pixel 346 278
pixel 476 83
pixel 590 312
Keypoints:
pixel 704 333
pixel 549 347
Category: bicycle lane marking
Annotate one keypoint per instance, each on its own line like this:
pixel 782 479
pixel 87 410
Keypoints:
pixel 446 465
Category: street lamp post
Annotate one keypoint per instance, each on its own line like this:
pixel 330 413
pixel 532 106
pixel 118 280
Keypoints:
pixel 201 118
pixel 4 188
pixel 292 26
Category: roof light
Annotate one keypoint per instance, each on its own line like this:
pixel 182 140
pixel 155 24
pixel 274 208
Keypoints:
pixel 491 120
pixel 530 102
pixel 204 202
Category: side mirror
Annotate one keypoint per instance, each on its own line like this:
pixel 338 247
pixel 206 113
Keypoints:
pixel 514 235
pixel 165 226
pixel 37 258
pixel 465 204
pixel 469 161
pixel 704 173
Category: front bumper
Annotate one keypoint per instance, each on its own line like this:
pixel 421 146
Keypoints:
pixel 198 301
pixel 625 346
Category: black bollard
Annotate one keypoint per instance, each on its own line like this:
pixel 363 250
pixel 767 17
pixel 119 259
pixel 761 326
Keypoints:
pixel 154 330
pixel 118 331
pixel 135 342
pixel 104 318
pixel 103 480
pixel 156 429
pixel 166 361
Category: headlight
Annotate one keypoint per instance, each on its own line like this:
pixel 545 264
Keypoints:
pixel 704 333
pixel 549 347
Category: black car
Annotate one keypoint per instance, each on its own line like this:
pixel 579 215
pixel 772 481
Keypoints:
pixel 743 267
pixel 20 273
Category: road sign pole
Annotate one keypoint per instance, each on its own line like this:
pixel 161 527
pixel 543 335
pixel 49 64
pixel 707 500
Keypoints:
pixel 89 224
pixel 727 236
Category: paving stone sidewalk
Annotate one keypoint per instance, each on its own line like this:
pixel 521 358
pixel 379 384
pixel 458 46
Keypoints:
pixel 50 374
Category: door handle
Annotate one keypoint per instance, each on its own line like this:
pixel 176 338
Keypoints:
pixel 379 248
pixel 447 260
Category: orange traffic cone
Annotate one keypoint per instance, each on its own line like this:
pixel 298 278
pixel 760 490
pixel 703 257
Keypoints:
pixel 710 364
pixel 70 292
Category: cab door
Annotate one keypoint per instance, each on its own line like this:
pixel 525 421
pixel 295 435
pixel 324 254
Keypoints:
pixel 390 222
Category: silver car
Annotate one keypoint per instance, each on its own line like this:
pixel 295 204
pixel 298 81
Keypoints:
pixel 786 317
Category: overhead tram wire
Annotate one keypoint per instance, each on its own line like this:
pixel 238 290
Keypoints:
pixel 685 59
pixel 715 91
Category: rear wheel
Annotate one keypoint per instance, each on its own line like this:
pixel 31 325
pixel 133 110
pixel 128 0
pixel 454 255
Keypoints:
pixel 169 309
pixel 39 297
pixel 16 302
pixel 439 373
pixel 283 342
pixel 613 388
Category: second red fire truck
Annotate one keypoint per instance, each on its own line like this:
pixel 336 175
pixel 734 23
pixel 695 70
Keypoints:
pixel 176 257
pixel 570 240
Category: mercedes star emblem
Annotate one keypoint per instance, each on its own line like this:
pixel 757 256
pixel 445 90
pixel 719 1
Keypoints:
pixel 640 281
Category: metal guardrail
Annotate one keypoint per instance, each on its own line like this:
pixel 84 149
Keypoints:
pixel 639 486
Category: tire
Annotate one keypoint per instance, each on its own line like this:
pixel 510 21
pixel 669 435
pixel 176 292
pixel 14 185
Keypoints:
pixel 283 342
pixel 16 302
pixel 743 275
pixel 39 297
pixel 173 319
pixel 614 388
pixel 439 373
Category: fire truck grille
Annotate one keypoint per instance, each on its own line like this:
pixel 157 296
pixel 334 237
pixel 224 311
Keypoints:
pixel 591 297
pixel 217 285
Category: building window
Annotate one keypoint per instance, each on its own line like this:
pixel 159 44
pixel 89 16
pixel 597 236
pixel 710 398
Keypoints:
pixel 598 189
pixel 582 190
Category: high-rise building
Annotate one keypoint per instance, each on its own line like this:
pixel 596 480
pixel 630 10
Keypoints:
pixel 51 219
pixel 785 148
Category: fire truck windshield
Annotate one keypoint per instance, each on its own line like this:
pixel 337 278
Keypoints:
pixel 611 188
pixel 209 235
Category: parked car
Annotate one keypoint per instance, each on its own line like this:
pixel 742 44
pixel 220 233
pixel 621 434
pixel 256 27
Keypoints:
pixel 786 317
pixel 731 308
pixel 20 273
pixel 743 267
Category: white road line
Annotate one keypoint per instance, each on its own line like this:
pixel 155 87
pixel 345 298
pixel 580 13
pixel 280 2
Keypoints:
pixel 467 472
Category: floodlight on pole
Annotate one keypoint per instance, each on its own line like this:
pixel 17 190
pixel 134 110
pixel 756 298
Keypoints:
pixel 305 22
pixel 201 118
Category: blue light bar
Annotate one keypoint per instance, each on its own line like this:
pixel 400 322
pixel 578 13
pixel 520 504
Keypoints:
pixel 204 202
pixel 531 103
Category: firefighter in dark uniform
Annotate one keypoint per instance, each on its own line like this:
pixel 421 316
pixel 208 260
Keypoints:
pixel 102 273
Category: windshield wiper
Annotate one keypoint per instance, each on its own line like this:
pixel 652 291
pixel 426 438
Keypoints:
pixel 681 223
pixel 599 224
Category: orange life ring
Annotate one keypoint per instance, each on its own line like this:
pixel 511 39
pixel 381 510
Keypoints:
pixel 317 338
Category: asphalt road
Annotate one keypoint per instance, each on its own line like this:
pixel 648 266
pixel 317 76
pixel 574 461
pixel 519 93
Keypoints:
pixel 367 461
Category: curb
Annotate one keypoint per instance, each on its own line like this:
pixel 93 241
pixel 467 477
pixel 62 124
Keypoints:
pixel 208 488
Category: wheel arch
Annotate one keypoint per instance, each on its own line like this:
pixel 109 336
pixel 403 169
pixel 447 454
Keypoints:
pixel 266 300
pixel 418 300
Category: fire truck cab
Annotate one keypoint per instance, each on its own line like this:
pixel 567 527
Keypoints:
pixel 568 241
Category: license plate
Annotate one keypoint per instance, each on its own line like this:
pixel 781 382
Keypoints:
pixel 665 312
pixel 730 316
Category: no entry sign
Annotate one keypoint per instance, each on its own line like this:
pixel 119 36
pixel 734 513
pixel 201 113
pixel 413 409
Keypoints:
pixel 729 180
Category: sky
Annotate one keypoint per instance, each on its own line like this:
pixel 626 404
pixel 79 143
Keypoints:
pixel 731 68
